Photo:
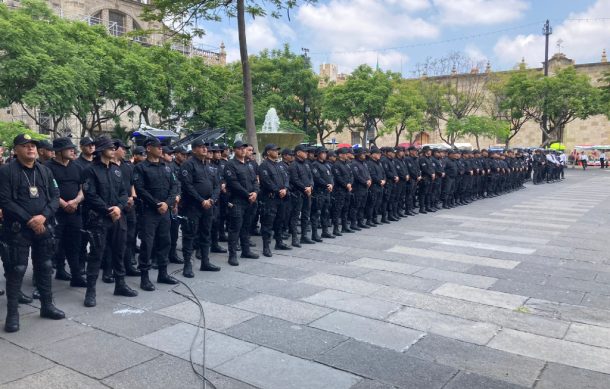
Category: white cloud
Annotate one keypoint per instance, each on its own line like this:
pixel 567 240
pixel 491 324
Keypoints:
pixel 475 54
pixel 411 5
pixel 583 40
pixel 388 60
pixel 481 12
pixel 362 23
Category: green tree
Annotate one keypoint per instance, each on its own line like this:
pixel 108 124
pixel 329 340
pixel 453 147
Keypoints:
pixel 360 103
pixel 9 130
pixel 478 127
pixel 183 15
pixel 562 98
pixel 405 111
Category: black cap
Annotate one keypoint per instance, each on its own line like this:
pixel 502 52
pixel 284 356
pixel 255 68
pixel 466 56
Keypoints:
pixel 425 148
pixel 86 141
pixel 287 152
pixel 301 148
pixel 22 139
pixel 213 147
pixel 453 151
pixel 239 144
pixel 64 143
pixel 331 153
pixel 103 143
pixel 271 146
pixel 344 150
pixel 321 149
pixel 167 150
pixel 312 149
pixel 180 150
pixel 410 148
pixel 198 143
pixel 359 151
pixel 139 150
pixel 45 144
pixel 152 141
pixel 375 150
pixel 119 143
pixel 399 148
pixel 222 146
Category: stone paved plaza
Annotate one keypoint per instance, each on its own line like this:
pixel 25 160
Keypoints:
pixel 509 292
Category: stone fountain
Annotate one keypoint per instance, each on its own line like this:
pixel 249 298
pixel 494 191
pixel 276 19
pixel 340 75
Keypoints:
pixel 271 133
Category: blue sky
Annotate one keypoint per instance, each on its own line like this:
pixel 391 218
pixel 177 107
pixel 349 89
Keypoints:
pixel 399 34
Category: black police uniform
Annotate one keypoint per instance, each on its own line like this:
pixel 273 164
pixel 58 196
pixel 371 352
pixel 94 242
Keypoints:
pixel 127 169
pixel 155 183
pixel 427 170
pixel 401 186
pixel 25 193
pixel 437 185
pixel 362 178
pixel 322 177
pixel 240 183
pixel 375 196
pixel 300 178
pixel 83 164
pixel 286 203
pixel 415 175
pixel 271 183
pixel 343 177
pixel 69 225
pixel 389 192
pixel 451 172
pixel 199 183
pixel 175 222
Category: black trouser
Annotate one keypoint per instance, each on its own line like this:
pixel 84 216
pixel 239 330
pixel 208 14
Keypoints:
pixel 437 186
pixel 154 233
pixel 84 240
pixel 388 194
pixel 301 203
pixel 424 192
pixel 271 218
pixel 173 233
pixel 320 209
pixel 286 212
pixel 130 237
pixel 358 204
pixel 448 188
pixel 104 233
pixel 401 189
pixel 602 164
pixel 240 216
pixel 341 205
pixel 15 262
pixel 68 236
pixel 196 227
pixel 373 202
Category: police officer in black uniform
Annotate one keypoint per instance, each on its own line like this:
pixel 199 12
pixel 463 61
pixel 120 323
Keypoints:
pixel 218 221
pixel 168 157
pixel 451 173
pixel 428 176
pixel 273 191
pixel 242 189
pixel 84 160
pixel 105 200
pixel 286 203
pixel 301 182
pixel 322 191
pixel 378 180
pixel 157 192
pixel 29 199
pixel 200 192
pixel 68 217
pixel 344 180
pixel 362 183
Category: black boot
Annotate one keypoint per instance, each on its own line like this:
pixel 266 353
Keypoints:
pixel 384 218
pixel 25 299
pixel 36 293
pixel 107 276
pixel 145 283
pixel 207 266
pixel 248 254
pixel 122 289
pixel 90 293
pixel 78 281
pixel 422 210
pixel 362 225
pixel 326 234
pixel 61 274
pixel 164 278
pixel 187 271
pixel 12 318
pixel 336 231
pixel 279 245
pixel 218 249
pixel 295 240
pixel 354 226
pixel 233 259
pixel 345 229
pixel 49 310
pixel 305 239
pixel 315 236
pixel 175 259
pixel 13 291
pixel 132 271
pixel 267 248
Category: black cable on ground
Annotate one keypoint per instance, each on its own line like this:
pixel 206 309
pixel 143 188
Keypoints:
pixel 201 324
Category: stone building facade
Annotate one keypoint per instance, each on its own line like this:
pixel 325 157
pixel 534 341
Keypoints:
pixel 593 131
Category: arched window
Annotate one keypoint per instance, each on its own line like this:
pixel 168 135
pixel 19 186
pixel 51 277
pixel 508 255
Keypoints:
pixel 117 23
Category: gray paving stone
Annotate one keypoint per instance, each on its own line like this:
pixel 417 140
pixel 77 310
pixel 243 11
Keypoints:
pixel 445 325
pixel 112 354
pixel 123 320
pixel 387 366
pixel 30 334
pixel 273 271
pixel 391 266
pixel 478 359
pixel 412 259
pixel 348 302
pixel 216 293
pixel 368 330
pixel 537 291
pixel 55 378
pixel 343 283
pixel 294 311
pixel 557 376
pixel 482 296
pixel 455 257
pixel 567 312
pixel 527 276
pixel 18 363
pixel 272 369
pixel 466 380
pixel 477 312
pixel 478 245
pixel 403 281
pixel 301 341
pixel 588 334
pixel 476 281
pixel 316 266
pixel 596 301
pixel 217 317
pixel 370 384
pixel 553 350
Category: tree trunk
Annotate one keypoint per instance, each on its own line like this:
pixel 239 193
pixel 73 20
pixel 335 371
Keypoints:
pixel 247 77
pixel 477 139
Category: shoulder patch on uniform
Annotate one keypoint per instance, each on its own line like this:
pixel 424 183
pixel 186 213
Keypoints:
pixel 265 173
pixel 168 169
pixel 117 172
pixel 228 172
pixel 136 177
pixel 55 183
pixel 185 173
